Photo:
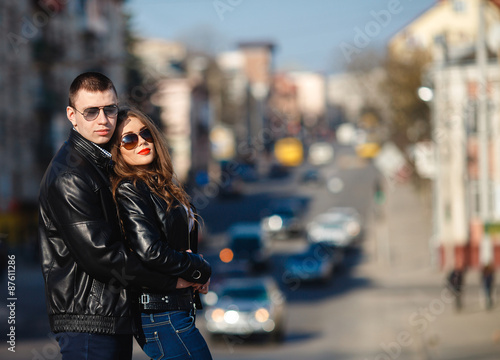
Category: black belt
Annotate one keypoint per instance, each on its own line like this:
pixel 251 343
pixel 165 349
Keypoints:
pixel 148 301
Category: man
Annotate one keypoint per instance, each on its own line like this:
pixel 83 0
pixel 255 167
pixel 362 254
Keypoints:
pixel 85 264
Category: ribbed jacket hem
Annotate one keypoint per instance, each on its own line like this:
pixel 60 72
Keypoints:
pixel 96 324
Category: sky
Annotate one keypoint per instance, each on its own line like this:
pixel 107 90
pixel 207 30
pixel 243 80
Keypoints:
pixel 311 35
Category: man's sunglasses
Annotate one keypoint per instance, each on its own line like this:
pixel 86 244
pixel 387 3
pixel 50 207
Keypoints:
pixel 92 113
pixel 130 141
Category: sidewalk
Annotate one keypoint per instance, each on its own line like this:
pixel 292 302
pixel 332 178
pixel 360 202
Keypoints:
pixel 401 262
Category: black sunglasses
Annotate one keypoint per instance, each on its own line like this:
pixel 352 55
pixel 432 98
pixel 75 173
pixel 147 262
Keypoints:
pixel 130 141
pixel 92 113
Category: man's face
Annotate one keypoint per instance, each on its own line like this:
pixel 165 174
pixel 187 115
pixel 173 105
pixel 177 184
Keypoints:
pixel 101 128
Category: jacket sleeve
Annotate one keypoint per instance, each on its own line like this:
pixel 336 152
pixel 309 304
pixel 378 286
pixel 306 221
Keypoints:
pixel 94 243
pixel 140 224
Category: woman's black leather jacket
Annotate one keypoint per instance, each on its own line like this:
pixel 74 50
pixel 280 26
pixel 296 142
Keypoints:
pixel 154 232
pixel 85 263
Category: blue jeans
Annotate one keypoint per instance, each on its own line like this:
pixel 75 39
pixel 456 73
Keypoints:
pixel 85 346
pixel 172 335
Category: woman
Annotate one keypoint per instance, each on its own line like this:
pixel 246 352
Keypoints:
pixel 161 226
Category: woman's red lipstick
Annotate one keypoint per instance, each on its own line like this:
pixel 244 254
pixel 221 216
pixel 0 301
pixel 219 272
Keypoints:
pixel 144 151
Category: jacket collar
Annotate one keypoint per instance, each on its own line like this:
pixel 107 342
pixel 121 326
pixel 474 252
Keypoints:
pixel 90 150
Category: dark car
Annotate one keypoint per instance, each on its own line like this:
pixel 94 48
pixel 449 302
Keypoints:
pixel 311 176
pixel 283 218
pixel 317 263
pixel 249 248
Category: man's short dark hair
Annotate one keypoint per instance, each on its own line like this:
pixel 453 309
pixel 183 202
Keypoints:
pixel 91 82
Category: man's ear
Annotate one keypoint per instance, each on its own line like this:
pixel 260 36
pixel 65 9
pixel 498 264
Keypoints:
pixel 71 114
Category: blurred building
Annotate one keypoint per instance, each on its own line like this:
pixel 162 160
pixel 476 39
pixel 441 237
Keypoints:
pixel 259 69
pixel 160 57
pixel 179 82
pixel 232 64
pixel 462 37
pixel 452 24
pixel 311 97
pixel 460 224
pixel 259 64
pixel 45 44
pixel 354 92
pixel 359 99
pixel 283 109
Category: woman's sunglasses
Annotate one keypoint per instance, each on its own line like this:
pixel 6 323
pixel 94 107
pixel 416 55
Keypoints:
pixel 130 141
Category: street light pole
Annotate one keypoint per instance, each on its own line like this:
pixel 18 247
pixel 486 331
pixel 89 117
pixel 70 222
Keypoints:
pixel 483 130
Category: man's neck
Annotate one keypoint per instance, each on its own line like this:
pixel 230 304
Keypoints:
pixel 101 149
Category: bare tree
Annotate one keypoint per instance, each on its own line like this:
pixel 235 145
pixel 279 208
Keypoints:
pixel 410 116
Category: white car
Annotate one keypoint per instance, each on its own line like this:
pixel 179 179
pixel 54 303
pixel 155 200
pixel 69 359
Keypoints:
pixel 338 226
pixel 246 306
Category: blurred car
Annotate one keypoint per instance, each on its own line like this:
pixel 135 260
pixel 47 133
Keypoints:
pixel 320 153
pixel 278 171
pixel 247 172
pixel 353 219
pixel 246 306
pixel 316 263
pixel 337 227
pixel 282 218
pixel 311 176
pixel 248 246
pixel 232 186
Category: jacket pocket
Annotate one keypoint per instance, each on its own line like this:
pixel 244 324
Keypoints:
pixel 95 296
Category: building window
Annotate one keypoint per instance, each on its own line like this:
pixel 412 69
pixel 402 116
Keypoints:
pixel 474 197
pixel 447 212
pixel 458 6
pixel 490 111
pixel 491 196
pixel 471 116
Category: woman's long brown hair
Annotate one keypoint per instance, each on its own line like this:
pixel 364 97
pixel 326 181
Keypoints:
pixel 159 176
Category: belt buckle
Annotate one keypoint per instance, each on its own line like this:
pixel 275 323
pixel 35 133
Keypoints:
pixel 144 299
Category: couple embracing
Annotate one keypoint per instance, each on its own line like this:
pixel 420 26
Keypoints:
pixel 118 236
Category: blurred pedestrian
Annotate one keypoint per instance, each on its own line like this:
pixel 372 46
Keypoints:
pixel 85 263
pixel 455 283
pixel 488 280
pixel 157 216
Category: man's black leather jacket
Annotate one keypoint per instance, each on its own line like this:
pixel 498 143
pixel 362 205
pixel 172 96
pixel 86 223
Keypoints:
pixel 85 263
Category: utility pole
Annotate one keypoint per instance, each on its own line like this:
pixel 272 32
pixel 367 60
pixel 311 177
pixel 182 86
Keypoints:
pixel 483 131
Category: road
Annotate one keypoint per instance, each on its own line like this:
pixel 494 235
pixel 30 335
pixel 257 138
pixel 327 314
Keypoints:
pixel 328 321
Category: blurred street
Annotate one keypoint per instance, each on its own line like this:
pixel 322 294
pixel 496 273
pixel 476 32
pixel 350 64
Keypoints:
pixel 386 302
pixel 354 164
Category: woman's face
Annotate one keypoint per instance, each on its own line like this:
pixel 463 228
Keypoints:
pixel 135 136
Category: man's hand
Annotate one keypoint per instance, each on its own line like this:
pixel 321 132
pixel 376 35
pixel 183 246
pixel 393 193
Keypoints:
pixel 203 289
pixel 182 284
